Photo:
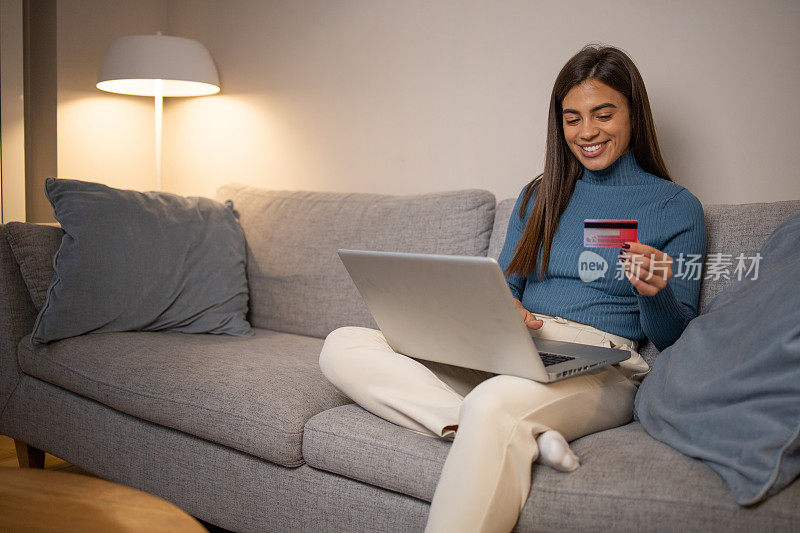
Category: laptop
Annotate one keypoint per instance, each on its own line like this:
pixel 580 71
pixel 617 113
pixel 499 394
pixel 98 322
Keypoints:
pixel 458 310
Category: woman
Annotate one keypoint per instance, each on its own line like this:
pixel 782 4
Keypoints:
pixel 602 162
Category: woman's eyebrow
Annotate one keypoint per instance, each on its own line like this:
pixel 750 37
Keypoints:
pixel 592 110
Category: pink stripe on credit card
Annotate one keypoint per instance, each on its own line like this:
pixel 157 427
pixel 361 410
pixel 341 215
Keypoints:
pixel 608 233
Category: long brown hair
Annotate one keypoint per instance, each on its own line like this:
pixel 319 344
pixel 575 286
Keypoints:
pixel 562 169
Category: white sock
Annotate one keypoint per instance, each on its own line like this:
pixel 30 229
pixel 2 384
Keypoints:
pixel 555 452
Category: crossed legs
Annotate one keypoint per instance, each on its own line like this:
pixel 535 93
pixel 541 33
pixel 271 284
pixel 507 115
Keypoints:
pixel 495 421
pixel 488 470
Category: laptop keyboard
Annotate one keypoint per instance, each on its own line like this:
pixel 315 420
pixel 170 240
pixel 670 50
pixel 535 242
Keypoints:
pixel 549 359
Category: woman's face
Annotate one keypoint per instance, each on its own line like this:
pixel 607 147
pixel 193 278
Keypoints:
pixel 597 124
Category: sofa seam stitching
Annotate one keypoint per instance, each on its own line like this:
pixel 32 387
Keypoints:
pixel 8 400
pixel 363 441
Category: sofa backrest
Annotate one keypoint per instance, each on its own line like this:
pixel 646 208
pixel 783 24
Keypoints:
pixel 297 282
pixel 738 229
pixel 502 215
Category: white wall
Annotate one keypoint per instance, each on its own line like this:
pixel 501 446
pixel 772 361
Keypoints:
pixel 12 123
pixel 416 96
pixel 101 136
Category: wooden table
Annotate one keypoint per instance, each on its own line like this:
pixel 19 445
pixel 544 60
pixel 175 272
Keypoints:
pixel 46 500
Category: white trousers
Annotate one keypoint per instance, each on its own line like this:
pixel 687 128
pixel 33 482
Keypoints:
pixel 493 419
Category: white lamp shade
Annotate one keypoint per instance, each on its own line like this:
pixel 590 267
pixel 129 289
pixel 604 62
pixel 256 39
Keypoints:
pixel 146 65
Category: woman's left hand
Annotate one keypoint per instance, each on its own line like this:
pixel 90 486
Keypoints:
pixel 647 268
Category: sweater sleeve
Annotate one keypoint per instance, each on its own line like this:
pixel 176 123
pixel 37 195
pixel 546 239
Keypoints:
pixel 665 315
pixel 514 232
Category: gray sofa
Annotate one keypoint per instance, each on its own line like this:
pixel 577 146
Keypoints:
pixel 247 434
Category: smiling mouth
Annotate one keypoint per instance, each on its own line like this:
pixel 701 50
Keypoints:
pixel 592 150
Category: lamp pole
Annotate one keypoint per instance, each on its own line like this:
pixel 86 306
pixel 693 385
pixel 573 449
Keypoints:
pixel 159 97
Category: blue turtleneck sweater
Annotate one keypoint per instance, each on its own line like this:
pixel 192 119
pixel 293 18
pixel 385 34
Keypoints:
pixel 670 219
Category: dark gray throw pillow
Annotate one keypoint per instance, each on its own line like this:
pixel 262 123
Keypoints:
pixel 728 391
pixel 132 261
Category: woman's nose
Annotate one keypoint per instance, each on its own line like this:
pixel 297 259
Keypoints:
pixel 588 131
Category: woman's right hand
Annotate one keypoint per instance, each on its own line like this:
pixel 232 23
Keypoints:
pixel 529 318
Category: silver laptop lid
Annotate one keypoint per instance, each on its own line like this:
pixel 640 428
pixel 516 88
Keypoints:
pixel 456 310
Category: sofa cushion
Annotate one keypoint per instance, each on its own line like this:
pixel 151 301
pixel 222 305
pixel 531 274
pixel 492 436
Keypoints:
pixel 253 394
pixel 142 261
pixel 355 443
pixel 625 477
pixel 34 246
pixel 297 282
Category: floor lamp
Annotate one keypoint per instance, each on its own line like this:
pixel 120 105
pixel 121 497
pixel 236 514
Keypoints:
pixel 158 65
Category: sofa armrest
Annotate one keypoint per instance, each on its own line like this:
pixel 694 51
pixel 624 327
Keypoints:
pixel 17 316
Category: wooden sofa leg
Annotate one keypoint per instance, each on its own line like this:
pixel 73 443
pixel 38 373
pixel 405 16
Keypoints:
pixel 28 456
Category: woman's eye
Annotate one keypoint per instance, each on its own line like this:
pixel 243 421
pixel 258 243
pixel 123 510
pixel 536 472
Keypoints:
pixel 604 117
pixel 572 122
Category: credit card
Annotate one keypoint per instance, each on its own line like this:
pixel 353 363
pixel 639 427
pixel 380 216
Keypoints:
pixel 608 233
